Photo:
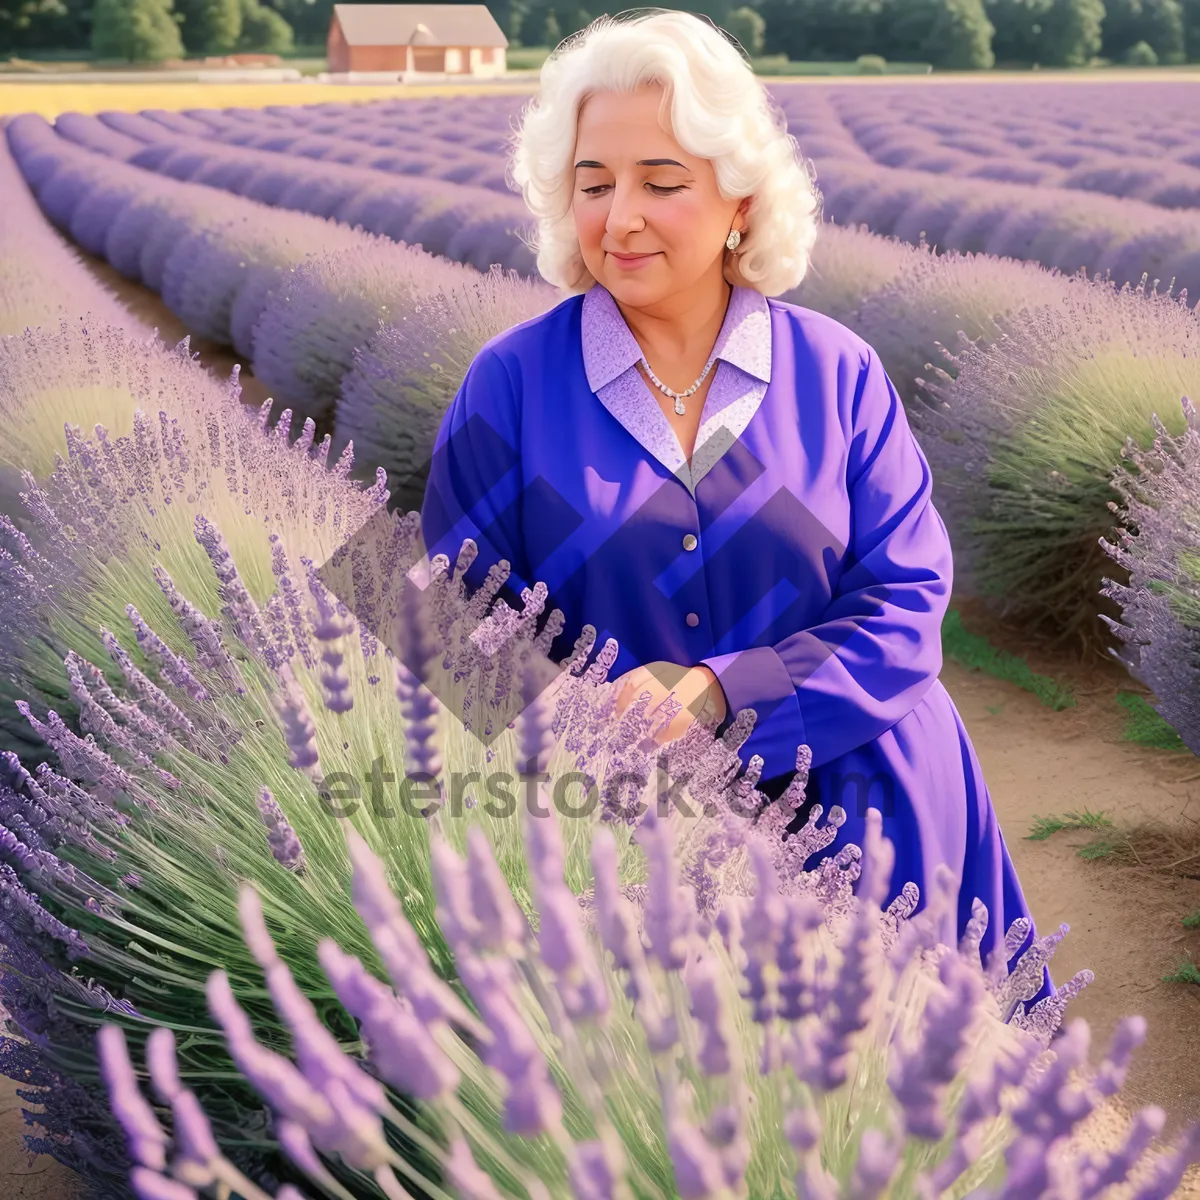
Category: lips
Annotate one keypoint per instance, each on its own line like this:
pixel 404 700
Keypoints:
pixel 631 257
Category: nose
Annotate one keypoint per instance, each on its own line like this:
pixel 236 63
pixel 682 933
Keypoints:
pixel 624 213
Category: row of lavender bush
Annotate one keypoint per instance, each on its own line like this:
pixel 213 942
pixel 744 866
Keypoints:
pixel 1024 387
pixel 470 224
pixel 1133 141
pixel 301 297
pixel 295 294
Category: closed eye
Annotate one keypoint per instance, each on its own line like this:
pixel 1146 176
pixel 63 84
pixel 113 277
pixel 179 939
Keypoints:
pixel 656 189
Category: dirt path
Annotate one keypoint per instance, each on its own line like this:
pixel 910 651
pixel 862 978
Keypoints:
pixel 1125 922
pixel 147 307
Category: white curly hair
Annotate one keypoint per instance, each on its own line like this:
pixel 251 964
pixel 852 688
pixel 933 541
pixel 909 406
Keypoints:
pixel 715 108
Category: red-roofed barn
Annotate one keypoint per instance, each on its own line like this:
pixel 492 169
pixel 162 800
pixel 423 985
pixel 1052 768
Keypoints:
pixel 451 39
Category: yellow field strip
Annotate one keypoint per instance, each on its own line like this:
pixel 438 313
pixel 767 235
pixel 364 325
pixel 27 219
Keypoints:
pixel 50 99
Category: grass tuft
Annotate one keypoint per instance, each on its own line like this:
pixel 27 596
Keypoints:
pixel 1188 972
pixel 1043 827
pixel 1144 726
pixel 1104 846
pixel 976 653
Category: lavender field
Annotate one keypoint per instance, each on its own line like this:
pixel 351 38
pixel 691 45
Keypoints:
pixel 477 1007
pixel 1055 174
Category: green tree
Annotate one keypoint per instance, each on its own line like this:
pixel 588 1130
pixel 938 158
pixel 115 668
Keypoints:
pixel 953 34
pixel 135 30
pixel 1071 35
pixel 309 21
pixel 748 27
pixel 1141 54
pixel 1075 32
pixel 1018 28
pixel 1191 29
pixel 546 25
pixel 1159 23
pixel 264 31
pixel 823 30
pixel 717 11
pixel 45 24
pixel 1054 33
pixel 211 26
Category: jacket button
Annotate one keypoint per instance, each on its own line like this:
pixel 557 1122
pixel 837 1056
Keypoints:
pixel 689 541
pixel 692 620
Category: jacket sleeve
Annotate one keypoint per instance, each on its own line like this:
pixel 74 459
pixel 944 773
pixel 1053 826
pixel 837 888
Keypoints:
pixel 475 479
pixel 878 649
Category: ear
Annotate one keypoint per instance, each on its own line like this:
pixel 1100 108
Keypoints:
pixel 742 209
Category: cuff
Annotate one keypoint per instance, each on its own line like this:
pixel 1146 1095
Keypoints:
pixel 758 679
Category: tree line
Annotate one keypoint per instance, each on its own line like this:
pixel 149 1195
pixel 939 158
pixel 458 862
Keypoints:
pixel 962 34
pixel 952 34
pixel 150 30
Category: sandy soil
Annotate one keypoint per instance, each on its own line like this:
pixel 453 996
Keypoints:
pixel 1125 921
pixel 22 1176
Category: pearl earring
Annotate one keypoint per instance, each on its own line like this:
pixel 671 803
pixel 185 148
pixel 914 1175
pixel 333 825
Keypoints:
pixel 734 240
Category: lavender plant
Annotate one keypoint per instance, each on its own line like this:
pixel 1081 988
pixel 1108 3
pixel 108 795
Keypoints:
pixel 206 272
pixel 849 264
pixel 41 277
pixel 1024 438
pixel 1158 546
pixel 113 858
pixel 937 301
pixel 305 338
pixel 93 134
pixel 779 1037
pixel 403 379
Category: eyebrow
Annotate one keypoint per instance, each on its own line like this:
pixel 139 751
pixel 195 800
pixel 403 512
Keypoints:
pixel 642 162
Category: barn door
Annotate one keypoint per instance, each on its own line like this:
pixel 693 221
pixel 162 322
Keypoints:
pixel 429 58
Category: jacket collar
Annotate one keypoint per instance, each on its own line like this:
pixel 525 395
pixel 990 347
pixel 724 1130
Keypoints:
pixel 610 349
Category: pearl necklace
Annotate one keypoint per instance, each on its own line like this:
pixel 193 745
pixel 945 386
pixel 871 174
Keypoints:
pixel 678 397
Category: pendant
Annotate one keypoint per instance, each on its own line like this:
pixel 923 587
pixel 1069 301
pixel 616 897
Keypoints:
pixel 679 409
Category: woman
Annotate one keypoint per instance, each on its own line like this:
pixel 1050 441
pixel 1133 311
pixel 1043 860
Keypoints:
pixel 724 483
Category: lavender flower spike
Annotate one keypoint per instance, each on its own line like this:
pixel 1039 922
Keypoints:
pixel 403 1048
pixel 144 1136
pixel 401 950
pixel 669 912
pixel 150 1185
pixel 298 727
pixel 196 1152
pixel 281 837
pixel 500 924
pixel 697 1165
pixel 919 1080
pixel 464 1174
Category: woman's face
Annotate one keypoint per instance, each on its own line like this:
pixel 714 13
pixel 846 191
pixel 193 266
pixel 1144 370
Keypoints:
pixel 650 220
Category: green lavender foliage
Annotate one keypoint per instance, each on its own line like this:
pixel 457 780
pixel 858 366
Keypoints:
pixel 1024 438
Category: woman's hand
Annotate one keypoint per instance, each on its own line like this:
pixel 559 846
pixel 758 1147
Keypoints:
pixel 683 692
